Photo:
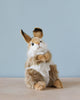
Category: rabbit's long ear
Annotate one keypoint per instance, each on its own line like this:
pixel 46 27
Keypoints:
pixel 37 32
pixel 26 37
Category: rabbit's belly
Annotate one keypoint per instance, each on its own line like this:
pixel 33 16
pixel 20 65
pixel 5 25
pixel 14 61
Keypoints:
pixel 43 69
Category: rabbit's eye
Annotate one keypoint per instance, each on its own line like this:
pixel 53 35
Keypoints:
pixel 32 44
pixel 40 41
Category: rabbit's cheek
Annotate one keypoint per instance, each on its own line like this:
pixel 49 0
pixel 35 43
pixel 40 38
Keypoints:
pixel 35 47
pixel 43 45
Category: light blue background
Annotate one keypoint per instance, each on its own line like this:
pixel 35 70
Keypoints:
pixel 60 21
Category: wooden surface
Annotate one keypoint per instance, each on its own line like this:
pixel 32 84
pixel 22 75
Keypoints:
pixel 14 89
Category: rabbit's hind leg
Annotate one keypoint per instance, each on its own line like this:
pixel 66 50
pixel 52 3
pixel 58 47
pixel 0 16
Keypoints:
pixel 34 79
pixel 40 85
pixel 54 80
pixel 58 84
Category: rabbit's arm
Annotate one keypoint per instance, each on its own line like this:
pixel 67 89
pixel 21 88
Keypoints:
pixel 38 59
pixel 45 57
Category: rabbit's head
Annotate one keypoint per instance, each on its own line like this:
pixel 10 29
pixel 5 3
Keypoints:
pixel 35 44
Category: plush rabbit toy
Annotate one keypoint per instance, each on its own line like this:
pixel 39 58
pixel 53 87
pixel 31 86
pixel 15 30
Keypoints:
pixel 40 72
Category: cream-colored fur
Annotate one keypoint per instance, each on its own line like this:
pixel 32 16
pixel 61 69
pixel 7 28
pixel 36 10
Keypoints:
pixel 40 71
pixel 43 69
pixel 37 49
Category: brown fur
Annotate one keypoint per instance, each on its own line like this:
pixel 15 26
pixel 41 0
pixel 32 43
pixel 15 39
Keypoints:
pixel 37 29
pixel 40 85
pixel 37 32
pixel 26 37
pixel 34 40
pixel 58 84
pixel 38 59
pixel 45 57
pixel 53 74
pixel 34 79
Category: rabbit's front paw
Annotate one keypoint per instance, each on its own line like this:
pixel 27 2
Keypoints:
pixel 41 58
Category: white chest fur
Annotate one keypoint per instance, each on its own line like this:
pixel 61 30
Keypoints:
pixel 43 69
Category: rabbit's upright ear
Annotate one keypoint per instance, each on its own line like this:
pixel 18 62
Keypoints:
pixel 37 32
pixel 26 37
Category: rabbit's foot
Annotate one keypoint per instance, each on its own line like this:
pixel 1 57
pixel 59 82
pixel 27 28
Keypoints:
pixel 58 84
pixel 41 85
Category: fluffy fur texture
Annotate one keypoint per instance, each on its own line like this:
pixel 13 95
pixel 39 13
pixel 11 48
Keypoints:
pixel 40 71
pixel 37 32
pixel 38 48
pixel 43 69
